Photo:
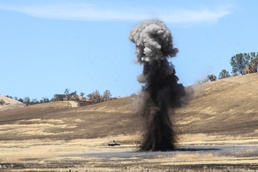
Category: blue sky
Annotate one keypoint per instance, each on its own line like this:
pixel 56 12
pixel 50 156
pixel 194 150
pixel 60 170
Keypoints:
pixel 47 46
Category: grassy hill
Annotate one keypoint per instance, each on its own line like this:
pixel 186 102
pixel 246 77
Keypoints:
pixel 227 107
pixel 9 103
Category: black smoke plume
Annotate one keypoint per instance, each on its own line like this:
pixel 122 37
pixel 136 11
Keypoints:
pixel 160 92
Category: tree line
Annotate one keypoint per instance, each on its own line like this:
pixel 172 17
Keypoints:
pixel 242 64
pixel 94 97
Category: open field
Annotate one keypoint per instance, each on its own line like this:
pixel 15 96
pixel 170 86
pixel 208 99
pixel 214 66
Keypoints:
pixel 95 155
pixel 216 131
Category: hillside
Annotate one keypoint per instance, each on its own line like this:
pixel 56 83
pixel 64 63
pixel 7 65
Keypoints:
pixel 226 107
pixel 10 103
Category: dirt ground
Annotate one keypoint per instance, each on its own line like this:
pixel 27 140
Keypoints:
pixel 198 153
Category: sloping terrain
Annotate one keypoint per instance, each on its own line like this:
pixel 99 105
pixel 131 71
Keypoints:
pixel 225 107
pixel 8 100
pixel 9 103
pixel 217 131
pixel 59 120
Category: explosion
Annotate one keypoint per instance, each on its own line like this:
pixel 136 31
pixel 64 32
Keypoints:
pixel 160 92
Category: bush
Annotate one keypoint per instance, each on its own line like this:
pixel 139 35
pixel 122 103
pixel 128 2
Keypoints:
pixel 2 102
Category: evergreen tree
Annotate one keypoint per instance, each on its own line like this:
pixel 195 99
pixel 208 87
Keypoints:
pixel 224 74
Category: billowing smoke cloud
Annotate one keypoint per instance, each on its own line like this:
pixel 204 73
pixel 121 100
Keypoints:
pixel 160 92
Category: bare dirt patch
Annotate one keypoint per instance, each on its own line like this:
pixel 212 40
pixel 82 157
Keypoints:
pixel 94 155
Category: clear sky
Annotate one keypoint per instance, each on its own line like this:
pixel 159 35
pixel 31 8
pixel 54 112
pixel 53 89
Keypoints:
pixel 47 46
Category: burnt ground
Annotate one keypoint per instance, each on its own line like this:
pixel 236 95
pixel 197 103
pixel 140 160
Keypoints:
pixel 127 158
pixel 217 113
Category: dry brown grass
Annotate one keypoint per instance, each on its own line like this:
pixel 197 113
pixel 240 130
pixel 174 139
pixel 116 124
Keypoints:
pixel 219 113
pixel 225 107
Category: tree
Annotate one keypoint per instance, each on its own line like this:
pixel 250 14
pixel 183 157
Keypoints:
pixel 243 61
pixel 66 92
pixel 82 94
pixel 58 97
pixel 106 95
pixel 253 57
pixel 238 63
pixel 74 96
pixel 95 97
pixel 224 74
pixel 73 93
pixel 26 101
pixel 2 102
pixel 44 100
pixel 211 78
pixel 253 62
pixel 34 101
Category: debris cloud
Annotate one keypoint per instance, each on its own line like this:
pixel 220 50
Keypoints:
pixel 161 91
